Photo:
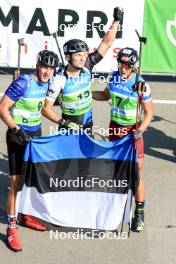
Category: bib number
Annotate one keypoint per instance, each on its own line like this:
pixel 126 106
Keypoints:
pixel 118 100
pixel 84 95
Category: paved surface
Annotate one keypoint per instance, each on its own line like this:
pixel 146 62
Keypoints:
pixel 156 244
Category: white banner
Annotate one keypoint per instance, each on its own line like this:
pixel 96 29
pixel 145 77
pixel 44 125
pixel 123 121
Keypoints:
pixel 36 20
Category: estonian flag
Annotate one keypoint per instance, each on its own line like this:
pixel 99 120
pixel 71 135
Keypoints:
pixel 75 181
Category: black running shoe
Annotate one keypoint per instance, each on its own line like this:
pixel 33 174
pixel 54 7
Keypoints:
pixel 138 223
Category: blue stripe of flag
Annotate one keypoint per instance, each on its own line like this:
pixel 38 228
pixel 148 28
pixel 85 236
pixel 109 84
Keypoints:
pixel 58 147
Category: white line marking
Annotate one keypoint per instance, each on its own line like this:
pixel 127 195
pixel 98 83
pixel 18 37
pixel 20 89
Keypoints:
pixel 155 101
pixel 164 101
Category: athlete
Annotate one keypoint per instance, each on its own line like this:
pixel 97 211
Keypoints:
pixel 74 81
pixel 20 109
pixel 129 93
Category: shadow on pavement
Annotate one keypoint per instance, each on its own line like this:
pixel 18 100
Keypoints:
pixel 155 138
pixel 3 238
pixel 4 183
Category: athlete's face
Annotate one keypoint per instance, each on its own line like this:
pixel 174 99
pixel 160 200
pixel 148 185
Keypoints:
pixel 44 73
pixel 125 71
pixel 79 59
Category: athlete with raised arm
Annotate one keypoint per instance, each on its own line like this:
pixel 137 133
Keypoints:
pixel 74 81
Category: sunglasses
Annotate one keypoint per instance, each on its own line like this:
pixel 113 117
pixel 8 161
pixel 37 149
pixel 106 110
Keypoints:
pixel 126 66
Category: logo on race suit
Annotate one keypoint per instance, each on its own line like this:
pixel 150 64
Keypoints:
pixel 169 25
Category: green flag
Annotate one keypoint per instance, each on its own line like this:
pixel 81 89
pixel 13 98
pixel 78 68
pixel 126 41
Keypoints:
pixel 159 54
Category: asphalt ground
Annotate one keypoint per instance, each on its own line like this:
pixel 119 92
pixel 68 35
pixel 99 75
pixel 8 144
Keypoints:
pixel 156 244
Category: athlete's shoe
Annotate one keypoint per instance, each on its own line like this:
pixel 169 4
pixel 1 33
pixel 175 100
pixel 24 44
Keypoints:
pixel 13 240
pixel 31 222
pixel 138 223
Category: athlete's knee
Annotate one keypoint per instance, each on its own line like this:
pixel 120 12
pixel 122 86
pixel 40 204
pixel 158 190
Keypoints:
pixel 15 180
pixel 140 164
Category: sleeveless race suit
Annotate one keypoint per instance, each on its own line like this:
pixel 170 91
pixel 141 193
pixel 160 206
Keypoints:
pixel 29 97
pixel 124 99
pixel 76 92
